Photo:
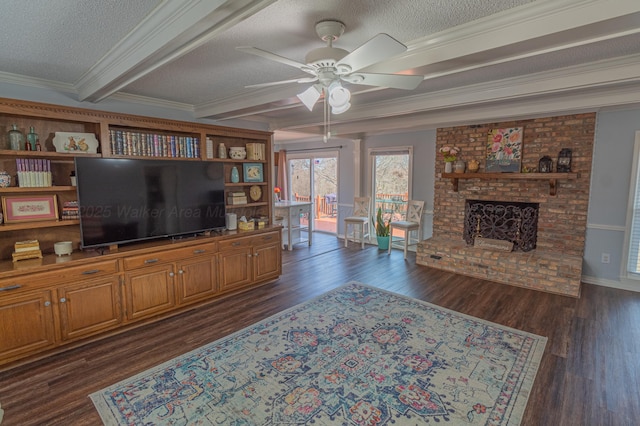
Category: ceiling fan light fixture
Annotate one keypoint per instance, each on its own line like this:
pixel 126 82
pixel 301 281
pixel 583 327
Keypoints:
pixel 341 109
pixel 309 97
pixel 339 98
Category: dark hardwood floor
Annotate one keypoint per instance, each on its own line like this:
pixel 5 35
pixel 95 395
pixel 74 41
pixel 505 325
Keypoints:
pixel 590 372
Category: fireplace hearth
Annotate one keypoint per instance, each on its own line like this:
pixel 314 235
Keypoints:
pixel 515 222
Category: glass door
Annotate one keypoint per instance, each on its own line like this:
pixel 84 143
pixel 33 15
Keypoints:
pixel 314 178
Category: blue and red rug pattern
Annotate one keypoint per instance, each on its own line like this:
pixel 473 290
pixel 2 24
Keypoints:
pixel 356 355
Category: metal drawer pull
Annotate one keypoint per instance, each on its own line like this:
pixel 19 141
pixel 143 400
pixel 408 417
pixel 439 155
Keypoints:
pixel 151 260
pixel 268 238
pixel 10 287
pixel 90 272
pixel 236 243
pixel 47 303
pixel 63 300
pixel 199 251
pixel 171 274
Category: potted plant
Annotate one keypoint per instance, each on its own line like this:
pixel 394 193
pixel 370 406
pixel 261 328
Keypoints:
pixel 382 231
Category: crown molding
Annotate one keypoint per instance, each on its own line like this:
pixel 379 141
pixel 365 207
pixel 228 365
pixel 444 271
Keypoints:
pixel 59 87
pixel 39 83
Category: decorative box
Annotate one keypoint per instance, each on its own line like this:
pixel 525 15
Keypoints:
pixel 246 226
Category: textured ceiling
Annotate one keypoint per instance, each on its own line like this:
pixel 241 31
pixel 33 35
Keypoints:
pixel 475 56
pixel 61 40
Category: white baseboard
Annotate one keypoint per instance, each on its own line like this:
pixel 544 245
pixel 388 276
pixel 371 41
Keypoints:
pixel 609 283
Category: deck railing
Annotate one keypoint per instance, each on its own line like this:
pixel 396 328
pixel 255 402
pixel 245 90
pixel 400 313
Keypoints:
pixel 393 205
pixel 325 205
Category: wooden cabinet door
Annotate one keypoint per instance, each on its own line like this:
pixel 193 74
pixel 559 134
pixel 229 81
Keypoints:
pixel 197 279
pixel 266 261
pixel 26 324
pixel 89 307
pixel 236 268
pixel 149 291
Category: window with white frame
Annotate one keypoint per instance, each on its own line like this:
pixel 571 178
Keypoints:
pixel 391 172
pixel 632 240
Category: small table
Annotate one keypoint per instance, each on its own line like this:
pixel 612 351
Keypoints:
pixel 291 211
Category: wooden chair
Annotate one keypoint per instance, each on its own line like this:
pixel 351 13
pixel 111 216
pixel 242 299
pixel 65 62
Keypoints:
pixel 412 222
pixel 360 219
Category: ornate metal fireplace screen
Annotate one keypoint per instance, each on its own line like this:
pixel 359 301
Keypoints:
pixel 502 220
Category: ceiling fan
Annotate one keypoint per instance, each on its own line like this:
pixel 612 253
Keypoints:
pixel 331 66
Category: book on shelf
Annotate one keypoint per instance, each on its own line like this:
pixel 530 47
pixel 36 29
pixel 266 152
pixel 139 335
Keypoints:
pixel 255 151
pixel 32 254
pixel 26 246
pixel 70 210
pixel 33 172
pixel 135 143
pixel 236 200
pixel 209 147
pixel 236 197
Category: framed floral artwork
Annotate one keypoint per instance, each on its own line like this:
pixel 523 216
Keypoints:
pixel 504 150
pixel 252 172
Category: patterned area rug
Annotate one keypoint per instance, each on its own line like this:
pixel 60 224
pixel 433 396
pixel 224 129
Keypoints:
pixel 356 355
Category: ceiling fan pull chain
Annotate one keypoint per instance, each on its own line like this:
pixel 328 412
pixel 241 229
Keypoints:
pixel 327 119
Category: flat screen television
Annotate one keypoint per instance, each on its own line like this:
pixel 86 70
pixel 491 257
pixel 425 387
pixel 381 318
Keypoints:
pixel 127 200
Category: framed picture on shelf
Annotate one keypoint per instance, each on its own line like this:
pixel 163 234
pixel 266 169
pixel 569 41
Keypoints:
pixel 504 150
pixel 253 172
pixel 29 208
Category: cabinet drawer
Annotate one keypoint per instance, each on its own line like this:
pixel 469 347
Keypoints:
pixel 133 262
pixel 245 242
pixel 270 237
pixel 67 275
pixel 236 243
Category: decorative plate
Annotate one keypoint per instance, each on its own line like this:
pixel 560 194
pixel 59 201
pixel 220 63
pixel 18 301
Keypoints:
pixel 75 143
pixel 255 192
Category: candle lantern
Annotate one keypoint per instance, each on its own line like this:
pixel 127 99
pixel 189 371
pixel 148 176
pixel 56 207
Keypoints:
pixel 545 165
pixel 564 161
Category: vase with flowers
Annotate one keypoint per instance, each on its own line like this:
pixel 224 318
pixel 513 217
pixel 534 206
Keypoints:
pixel 450 154
pixel 276 192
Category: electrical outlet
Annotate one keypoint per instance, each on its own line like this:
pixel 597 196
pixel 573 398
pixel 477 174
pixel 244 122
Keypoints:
pixel 606 257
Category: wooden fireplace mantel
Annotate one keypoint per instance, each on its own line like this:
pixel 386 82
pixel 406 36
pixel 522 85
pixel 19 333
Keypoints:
pixel 551 177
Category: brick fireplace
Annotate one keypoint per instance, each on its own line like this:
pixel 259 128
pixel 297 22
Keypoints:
pixel 555 264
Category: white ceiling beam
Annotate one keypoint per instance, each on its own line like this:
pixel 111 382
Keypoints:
pixel 171 30
pixel 535 26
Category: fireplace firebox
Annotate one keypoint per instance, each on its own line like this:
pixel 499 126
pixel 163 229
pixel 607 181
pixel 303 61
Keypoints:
pixel 515 222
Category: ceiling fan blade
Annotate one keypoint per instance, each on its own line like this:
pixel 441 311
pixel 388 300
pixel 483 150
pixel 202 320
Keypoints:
pixel 375 50
pixel 276 83
pixel 273 57
pixel 393 81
